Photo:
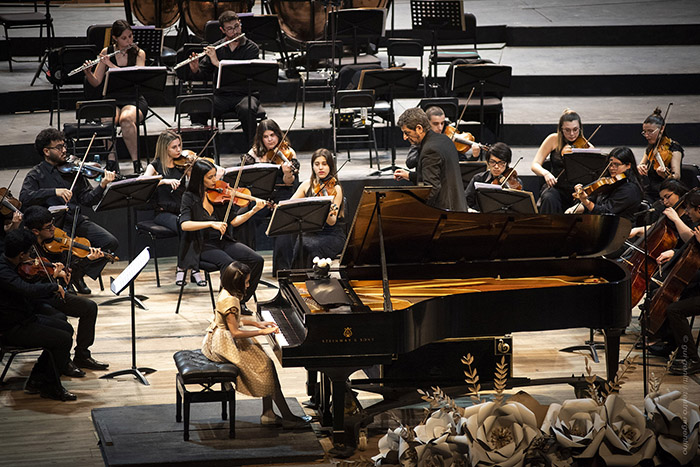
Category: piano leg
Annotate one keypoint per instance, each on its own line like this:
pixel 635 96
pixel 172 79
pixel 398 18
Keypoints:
pixel 612 351
pixel 335 379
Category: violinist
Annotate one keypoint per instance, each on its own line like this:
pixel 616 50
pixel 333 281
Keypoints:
pixel 167 163
pixel 664 149
pixel 10 214
pixel 622 197
pixel 45 185
pixel 207 236
pixel 128 116
pixel 329 241
pixel 21 326
pixel 206 68
pixel 555 196
pixel 38 220
pixel 671 192
pixel 498 158
pixel 267 149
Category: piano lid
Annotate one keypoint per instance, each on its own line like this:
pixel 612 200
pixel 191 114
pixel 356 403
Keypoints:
pixel 415 233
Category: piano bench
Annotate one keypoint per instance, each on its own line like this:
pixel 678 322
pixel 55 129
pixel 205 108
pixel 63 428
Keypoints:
pixel 194 368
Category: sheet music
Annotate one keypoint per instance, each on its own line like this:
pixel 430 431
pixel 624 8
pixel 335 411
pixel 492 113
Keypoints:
pixel 130 272
pixel 256 61
pixel 261 165
pixel 127 181
pixel 585 151
pixel 311 199
pixel 487 186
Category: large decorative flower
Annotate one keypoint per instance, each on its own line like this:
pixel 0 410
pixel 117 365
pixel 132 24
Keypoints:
pixel 438 453
pixel 577 424
pixel 438 424
pixel 676 422
pixel 393 446
pixel 627 439
pixel 498 435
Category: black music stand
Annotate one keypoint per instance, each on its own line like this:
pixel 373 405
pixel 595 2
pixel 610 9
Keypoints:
pixel 127 277
pixel 249 75
pixel 391 82
pixel 61 62
pixel 494 200
pixel 358 23
pixel 264 29
pixel 258 178
pixel 150 40
pixel 584 168
pixel 470 168
pixel 486 77
pixel 135 79
pixel 296 216
pixel 129 194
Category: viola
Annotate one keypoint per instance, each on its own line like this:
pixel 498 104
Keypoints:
pixel 79 246
pixel 9 204
pixel 662 155
pixel 602 182
pixel 509 176
pixel 463 141
pixel 326 188
pixel 283 154
pixel 89 170
pixel 35 269
pixel 221 193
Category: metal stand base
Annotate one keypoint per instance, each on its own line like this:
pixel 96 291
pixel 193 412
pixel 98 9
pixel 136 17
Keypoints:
pixel 137 372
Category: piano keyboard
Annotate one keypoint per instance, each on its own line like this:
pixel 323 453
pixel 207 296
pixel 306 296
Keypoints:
pixel 281 340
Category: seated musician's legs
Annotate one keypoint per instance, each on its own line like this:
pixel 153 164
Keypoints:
pixel 677 317
pixel 169 221
pixel 282 252
pixel 86 311
pixel 553 201
pixel 247 115
pixel 99 237
pixel 240 252
pixel 128 122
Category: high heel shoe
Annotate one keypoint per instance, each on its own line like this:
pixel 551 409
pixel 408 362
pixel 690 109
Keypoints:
pixel 138 168
pixel 180 277
pixel 197 278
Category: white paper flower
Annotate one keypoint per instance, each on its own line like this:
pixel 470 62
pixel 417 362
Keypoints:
pixel 627 439
pixel 498 435
pixel 438 424
pixel 392 446
pixel 437 453
pixel 577 424
pixel 676 422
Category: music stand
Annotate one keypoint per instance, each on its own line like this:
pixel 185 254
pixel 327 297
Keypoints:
pixel 296 216
pixel 264 29
pixel 249 75
pixel 135 79
pixel 358 23
pixel 505 201
pixel 61 62
pixel 258 178
pixel 129 194
pixel 584 168
pixel 470 168
pixel 486 77
pixel 127 277
pixel 391 82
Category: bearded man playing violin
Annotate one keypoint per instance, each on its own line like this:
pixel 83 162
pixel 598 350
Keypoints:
pixel 38 221
pixel 498 172
pixel 45 185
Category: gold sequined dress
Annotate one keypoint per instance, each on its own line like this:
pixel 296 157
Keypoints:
pixel 257 370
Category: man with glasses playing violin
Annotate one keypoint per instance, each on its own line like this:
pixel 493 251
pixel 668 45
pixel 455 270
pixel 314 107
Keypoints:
pixel 498 158
pixel 235 101
pixel 46 185
pixel 38 220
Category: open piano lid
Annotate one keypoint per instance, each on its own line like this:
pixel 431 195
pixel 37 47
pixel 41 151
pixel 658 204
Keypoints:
pixel 415 233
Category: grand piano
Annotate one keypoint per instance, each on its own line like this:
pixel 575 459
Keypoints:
pixel 539 272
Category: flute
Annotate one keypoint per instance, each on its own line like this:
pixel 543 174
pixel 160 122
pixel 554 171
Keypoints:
pixel 94 62
pixel 203 53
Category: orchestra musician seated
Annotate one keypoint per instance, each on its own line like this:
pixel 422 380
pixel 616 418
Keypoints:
pixel 329 241
pixel 662 156
pixel 620 193
pixel 498 157
pixel 121 53
pixel 671 191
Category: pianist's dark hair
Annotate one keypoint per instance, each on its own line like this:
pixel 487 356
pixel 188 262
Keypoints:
pixel 45 137
pixel 199 170
pixel 671 184
pixel 500 150
pixel 626 156
pixel 412 117
pixel 233 278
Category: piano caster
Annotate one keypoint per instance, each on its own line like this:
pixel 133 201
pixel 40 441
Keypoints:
pixel 362 440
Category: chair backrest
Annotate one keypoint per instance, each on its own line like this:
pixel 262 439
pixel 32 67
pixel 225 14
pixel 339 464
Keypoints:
pixel 183 73
pixel 319 50
pixel 354 99
pixel 690 174
pixel 194 103
pixel 212 33
pixel 65 59
pixel 449 105
pixel 95 110
pixel 99 35
pixel 405 47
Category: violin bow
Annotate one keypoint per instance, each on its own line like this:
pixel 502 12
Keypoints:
pixel 588 140
pixel 82 161
pixel 512 170
pixel 283 139
pixel 4 195
pixel 323 187
pixel 43 266
pixel 658 139
pixel 235 189
pixel 72 235
pixel 464 109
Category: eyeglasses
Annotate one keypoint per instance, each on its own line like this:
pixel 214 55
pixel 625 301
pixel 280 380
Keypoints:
pixel 649 132
pixel 617 164
pixel 48 227
pixel 58 147
pixel 493 163
pixel 232 28
pixel 570 130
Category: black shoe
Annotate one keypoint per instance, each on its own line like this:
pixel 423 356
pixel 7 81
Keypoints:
pixel 80 286
pixel 33 385
pixel 138 168
pixel 90 363
pixel 682 369
pixel 660 350
pixel 57 393
pixel 72 370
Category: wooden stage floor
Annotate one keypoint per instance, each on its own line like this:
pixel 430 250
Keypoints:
pixel 36 431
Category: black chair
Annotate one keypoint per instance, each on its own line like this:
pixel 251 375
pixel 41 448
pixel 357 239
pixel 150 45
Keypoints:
pixel 208 268
pixel 155 233
pixel 25 20
pixel 318 55
pixel 265 31
pixel 468 36
pixel 407 48
pixel 449 105
pixel 359 130
pixel 188 83
pixel 195 137
pixel 690 175
pixel 12 351
pixel 99 35
pixel 61 62
pixel 93 117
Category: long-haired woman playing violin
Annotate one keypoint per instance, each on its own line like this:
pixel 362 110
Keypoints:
pixel 498 157
pixel 556 192
pixel 623 197
pixel 127 113
pixel 203 224
pixel 169 193
pixel 664 149
pixel 327 242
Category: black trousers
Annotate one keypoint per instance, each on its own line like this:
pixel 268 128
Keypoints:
pixel 237 104
pixel 78 307
pixel 99 237
pixel 52 333
pixel 677 318
pixel 224 252
pixel 554 200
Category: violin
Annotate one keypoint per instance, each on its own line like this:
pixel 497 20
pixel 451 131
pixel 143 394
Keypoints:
pixel 35 269
pixel 662 157
pixel 509 176
pixel 283 154
pixel 9 204
pixel 463 141
pixel 602 182
pixel 326 188
pixel 186 159
pixel 79 246
pixel 221 193
pixel 89 170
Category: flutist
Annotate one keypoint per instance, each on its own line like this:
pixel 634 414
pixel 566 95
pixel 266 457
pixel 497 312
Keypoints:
pixel 126 55
pixel 235 101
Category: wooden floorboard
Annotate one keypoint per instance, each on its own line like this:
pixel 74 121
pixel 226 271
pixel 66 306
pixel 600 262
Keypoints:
pixel 36 431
